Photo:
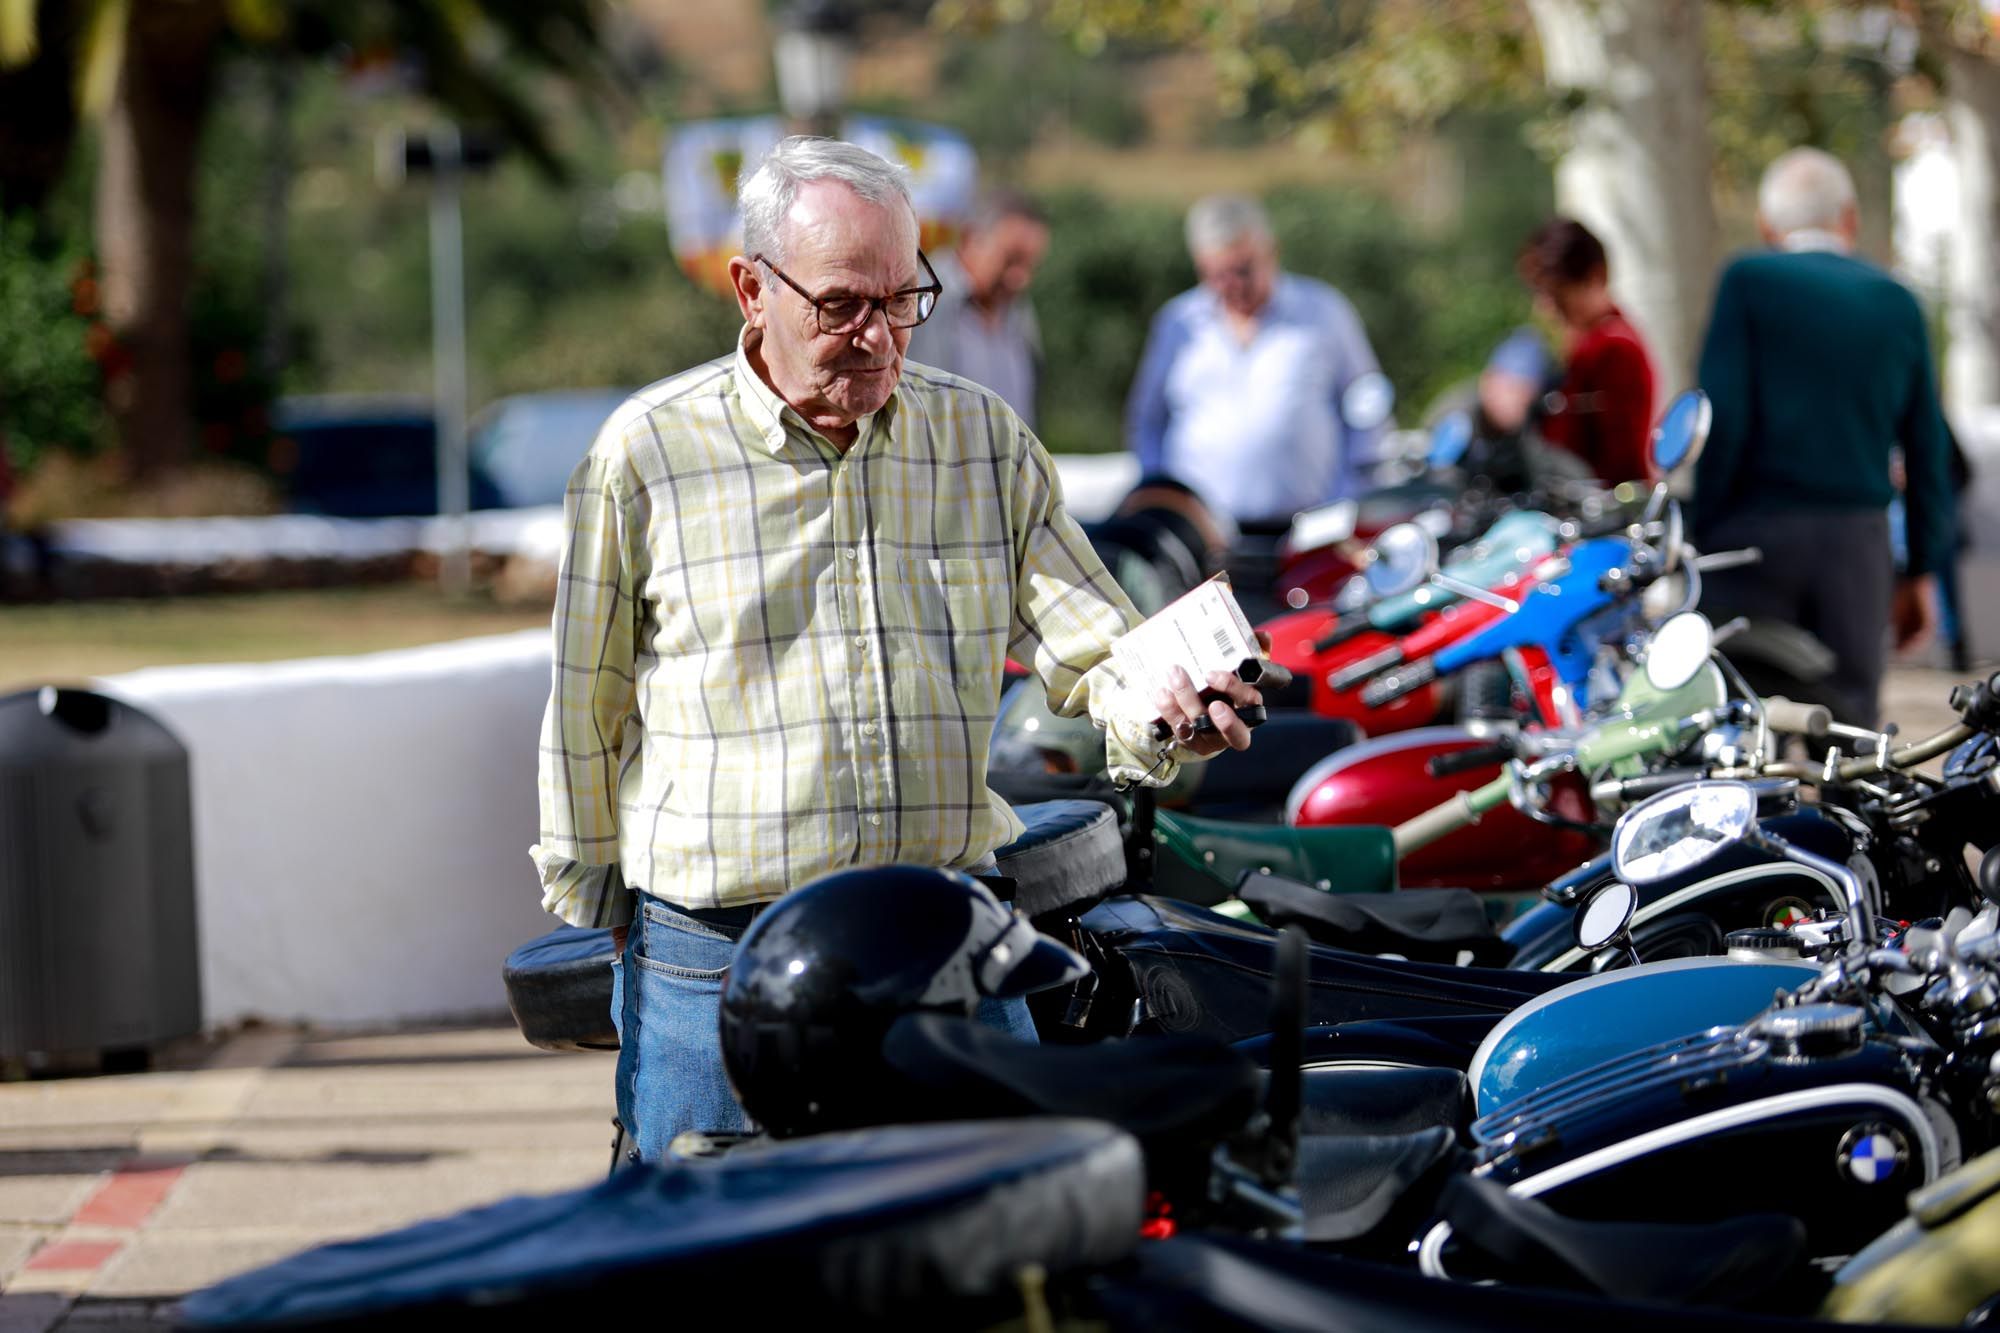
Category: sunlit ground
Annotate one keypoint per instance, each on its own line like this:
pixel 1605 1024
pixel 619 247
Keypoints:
pixel 65 642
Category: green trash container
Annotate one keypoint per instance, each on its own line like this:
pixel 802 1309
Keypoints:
pixel 98 951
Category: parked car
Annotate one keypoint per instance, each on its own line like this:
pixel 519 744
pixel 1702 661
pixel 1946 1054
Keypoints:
pixel 364 456
pixel 529 443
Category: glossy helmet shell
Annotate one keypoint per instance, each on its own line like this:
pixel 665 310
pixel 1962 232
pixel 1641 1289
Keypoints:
pixel 820 976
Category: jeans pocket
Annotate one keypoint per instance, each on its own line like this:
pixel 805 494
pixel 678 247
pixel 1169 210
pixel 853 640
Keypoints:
pixel 675 945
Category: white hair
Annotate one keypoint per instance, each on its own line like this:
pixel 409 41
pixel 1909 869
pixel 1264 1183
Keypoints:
pixel 1804 189
pixel 767 194
pixel 1220 220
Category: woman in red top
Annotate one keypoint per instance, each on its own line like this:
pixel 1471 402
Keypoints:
pixel 1603 411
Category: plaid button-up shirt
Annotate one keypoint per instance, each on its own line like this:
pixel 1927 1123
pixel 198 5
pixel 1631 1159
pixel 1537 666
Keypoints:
pixel 774 659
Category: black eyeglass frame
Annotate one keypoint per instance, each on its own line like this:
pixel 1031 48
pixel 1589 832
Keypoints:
pixel 934 290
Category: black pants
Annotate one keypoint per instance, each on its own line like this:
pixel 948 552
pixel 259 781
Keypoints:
pixel 1828 571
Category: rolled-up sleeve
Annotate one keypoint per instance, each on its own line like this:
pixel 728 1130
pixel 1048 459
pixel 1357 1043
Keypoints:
pixel 592 700
pixel 1067 610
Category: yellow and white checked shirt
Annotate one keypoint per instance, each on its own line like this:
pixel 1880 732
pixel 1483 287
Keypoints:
pixel 773 660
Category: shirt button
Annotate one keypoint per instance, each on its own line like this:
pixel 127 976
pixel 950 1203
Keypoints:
pixel 849 553
pixel 860 641
pixel 875 819
pixel 868 728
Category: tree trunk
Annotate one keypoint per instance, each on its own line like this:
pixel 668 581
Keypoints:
pixel 145 224
pixel 1638 169
pixel 1972 359
pixel 38 112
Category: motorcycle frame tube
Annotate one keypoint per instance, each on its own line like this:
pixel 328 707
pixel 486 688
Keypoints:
pixel 1430 1251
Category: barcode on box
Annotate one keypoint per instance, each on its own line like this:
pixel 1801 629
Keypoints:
pixel 1223 639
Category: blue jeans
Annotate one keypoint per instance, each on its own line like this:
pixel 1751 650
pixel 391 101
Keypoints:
pixel 670 1073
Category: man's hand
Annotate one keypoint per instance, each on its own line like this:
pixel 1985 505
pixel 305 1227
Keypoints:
pixel 618 938
pixel 1179 702
pixel 1913 610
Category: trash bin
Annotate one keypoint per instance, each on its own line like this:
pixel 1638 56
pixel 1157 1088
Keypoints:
pixel 98 958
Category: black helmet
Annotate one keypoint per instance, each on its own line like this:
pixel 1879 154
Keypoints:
pixel 820 976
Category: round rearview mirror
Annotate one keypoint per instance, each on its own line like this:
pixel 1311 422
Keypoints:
pixel 1605 914
pixel 1450 438
pixel 1679 829
pixel 1401 559
pixel 1683 429
pixel 1367 400
pixel 1679 650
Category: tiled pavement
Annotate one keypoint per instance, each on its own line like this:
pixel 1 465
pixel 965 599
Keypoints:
pixel 120 1193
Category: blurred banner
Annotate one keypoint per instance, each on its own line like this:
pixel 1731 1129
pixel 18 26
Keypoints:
pixel 704 159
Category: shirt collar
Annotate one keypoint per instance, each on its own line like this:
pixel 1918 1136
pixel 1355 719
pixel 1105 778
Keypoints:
pixel 771 415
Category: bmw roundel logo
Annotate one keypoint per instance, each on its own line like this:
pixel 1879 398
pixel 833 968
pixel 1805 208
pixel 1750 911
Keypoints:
pixel 1874 1154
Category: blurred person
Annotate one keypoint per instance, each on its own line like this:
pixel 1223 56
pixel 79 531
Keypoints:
pixel 1818 365
pixel 1603 410
pixel 983 328
pixel 1239 390
pixel 1512 384
pixel 791 579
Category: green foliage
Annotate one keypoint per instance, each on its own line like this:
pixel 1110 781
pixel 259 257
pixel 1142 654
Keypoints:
pixel 1003 91
pixel 49 381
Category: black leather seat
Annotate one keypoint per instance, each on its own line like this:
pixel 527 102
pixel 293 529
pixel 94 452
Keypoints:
pixel 1718 1263
pixel 832 1229
pixel 1070 856
pixel 559 989
pixel 1427 925
pixel 1169 1092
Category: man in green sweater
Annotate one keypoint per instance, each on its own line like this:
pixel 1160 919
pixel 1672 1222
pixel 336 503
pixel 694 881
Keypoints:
pixel 1819 365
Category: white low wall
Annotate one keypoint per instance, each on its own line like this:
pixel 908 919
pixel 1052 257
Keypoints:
pixel 362 826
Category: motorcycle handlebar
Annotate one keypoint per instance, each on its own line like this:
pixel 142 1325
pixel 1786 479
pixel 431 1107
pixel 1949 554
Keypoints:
pixel 1345 626
pixel 1406 679
pixel 1625 790
pixel 1477 756
pixel 1803 719
pixel 1361 668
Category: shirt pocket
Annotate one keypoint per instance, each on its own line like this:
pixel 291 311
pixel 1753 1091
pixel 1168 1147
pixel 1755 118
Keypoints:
pixel 962 610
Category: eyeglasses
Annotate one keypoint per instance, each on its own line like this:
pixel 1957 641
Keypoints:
pixel 844 314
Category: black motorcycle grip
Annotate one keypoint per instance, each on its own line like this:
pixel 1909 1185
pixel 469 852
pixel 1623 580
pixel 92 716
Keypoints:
pixel 1477 756
pixel 1344 627
pixel 1361 668
pixel 1403 680
pixel 1253 716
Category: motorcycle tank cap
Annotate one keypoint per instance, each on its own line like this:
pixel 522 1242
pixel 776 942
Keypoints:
pixel 819 978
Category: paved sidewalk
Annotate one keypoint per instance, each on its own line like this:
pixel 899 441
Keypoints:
pixel 119 1194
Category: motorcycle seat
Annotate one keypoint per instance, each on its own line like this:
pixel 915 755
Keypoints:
pixel 1069 856
pixel 559 989
pixel 835 1228
pixel 1168 1090
pixel 1431 925
pixel 1358 1100
pixel 1348 1184
pixel 1201 860
pixel 1684 1263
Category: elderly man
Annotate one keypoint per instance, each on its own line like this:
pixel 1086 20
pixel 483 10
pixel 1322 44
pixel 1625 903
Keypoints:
pixel 983 327
pixel 1818 364
pixel 792 578
pixel 1239 391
